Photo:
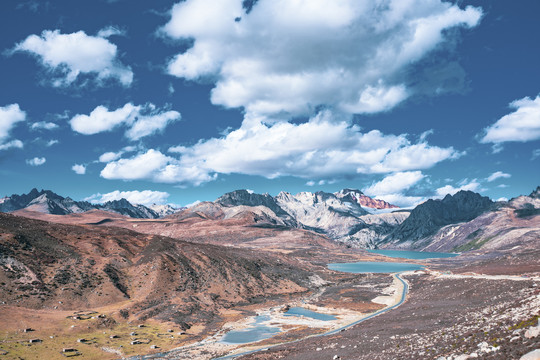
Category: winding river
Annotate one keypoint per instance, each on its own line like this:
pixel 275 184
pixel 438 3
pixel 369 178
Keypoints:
pixel 404 292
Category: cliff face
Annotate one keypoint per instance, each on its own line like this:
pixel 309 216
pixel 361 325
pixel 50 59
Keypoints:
pixel 427 218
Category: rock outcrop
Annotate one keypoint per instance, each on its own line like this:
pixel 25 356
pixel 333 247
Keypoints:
pixel 427 218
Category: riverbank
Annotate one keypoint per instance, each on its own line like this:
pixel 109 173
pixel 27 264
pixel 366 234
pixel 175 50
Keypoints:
pixel 443 317
pixel 294 328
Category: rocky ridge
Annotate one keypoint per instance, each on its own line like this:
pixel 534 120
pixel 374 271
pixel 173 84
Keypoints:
pixel 509 225
pixel 363 200
pixel 339 216
pixel 48 202
pixel 427 218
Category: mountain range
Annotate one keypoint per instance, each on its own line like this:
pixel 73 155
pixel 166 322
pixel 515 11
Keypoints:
pixel 46 201
pixel 460 222
pixel 201 267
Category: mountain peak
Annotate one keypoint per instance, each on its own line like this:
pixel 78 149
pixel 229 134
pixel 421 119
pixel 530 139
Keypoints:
pixel 350 191
pixel 47 201
pixel 358 197
pixel 432 215
pixel 536 193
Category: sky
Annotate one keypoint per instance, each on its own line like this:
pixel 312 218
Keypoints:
pixel 178 102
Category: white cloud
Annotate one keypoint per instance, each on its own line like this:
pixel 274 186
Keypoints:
pixel 37 161
pixel 44 125
pixel 68 56
pixel 521 125
pixel 145 197
pixel 110 156
pixel 10 115
pixel 148 125
pixel 395 183
pixel 196 202
pixel 110 31
pixel 417 156
pixel 11 144
pixel 310 183
pixel 157 167
pixel 535 154
pixel 292 56
pixel 328 149
pixel 79 169
pixel 472 185
pixel 502 199
pixel 392 188
pixel 497 175
pixel 141 120
pixel 101 119
pixel 51 142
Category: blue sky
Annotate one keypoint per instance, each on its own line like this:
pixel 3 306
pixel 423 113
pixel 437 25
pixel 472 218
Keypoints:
pixel 188 100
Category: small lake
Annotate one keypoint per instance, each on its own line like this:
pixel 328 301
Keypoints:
pixel 300 311
pixel 373 267
pixel 418 255
pixel 255 332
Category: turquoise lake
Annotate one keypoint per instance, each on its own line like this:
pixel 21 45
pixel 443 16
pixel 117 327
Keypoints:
pixel 373 267
pixel 256 332
pixel 300 311
pixel 413 254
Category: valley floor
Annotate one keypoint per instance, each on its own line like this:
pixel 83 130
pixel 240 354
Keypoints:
pixel 443 318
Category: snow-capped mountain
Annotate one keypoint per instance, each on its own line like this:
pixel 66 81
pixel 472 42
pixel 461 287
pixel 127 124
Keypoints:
pixel 339 216
pixel 164 210
pixel 46 201
pixel 363 200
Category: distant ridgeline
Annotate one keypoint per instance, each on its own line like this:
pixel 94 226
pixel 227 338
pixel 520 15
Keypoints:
pixel 49 202
pixel 460 222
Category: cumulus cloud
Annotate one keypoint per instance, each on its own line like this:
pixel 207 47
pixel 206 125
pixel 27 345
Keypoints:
pixel 293 56
pixel 394 183
pixel 79 169
pixel 101 119
pixel 37 161
pixel 328 149
pixel 10 115
pixel 392 188
pixel 110 156
pixel 521 125
pixel 44 125
pixel 145 197
pixel 69 57
pixel 472 185
pixel 155 166
pixel 11 144
pixel 110 31
pixel 142 120
pixel 497 175
pixel 196 202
